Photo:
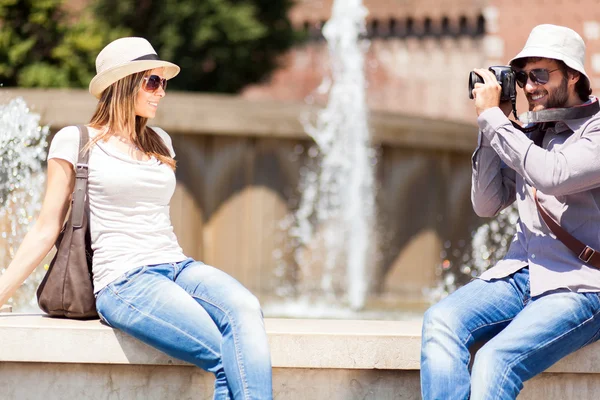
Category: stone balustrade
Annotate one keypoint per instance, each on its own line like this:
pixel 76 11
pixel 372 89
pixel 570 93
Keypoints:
pixel 50 358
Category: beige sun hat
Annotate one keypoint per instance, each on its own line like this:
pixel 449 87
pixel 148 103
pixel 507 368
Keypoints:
pixel 124 57
pixel 556 42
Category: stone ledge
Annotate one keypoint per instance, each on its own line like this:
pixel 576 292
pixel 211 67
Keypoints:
pixel 295 343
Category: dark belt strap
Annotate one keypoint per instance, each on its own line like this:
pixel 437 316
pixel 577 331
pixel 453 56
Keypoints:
pixel 584 252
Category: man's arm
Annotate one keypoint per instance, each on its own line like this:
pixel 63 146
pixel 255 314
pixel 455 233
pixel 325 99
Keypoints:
pixel 492 183
pixel 574 168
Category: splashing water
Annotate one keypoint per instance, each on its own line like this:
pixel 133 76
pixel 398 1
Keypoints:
pixel 489 244
pixel 22 178
pixel 333 224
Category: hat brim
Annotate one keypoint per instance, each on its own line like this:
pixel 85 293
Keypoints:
pixel 106 78
pixel 546 53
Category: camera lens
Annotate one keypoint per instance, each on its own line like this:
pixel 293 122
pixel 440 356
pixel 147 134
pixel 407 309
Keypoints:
pixel 473 79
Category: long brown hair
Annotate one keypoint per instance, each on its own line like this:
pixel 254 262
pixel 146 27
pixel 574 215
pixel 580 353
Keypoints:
pixel 116 112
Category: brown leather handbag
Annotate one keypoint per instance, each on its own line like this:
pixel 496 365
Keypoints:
pixel 67 290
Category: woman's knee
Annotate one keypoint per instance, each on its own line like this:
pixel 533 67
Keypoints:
pixel 247 304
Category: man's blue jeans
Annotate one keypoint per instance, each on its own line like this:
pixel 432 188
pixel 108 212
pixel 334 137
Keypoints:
pixel 526 336
pixel 198 314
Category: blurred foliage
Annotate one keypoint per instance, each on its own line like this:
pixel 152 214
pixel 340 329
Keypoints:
pixel 221 45
pixel 41 47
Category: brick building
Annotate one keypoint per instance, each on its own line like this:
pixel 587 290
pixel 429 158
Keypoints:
pixel 421 51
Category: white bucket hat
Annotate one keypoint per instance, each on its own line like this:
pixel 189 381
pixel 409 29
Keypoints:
pixel 556 42
pixel 124 57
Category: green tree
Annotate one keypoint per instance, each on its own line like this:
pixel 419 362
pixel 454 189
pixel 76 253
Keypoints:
pixel 43 46
pixel 28 32
pixel 221 45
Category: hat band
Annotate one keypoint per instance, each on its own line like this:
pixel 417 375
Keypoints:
pixel 151 56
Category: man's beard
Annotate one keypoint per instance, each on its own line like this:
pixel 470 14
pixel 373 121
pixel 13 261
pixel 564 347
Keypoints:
pixel 557 98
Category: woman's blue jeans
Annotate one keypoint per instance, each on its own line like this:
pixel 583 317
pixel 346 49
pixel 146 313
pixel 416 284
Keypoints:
pixel 198 314
pixel 526 336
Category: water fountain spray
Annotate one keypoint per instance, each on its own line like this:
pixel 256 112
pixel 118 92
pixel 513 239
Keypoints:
pixel 22 178
pixel 333 224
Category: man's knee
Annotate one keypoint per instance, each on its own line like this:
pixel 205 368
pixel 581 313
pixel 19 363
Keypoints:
pixel 494 372
pixel 440 318
pixel 493 363
pixel 487 361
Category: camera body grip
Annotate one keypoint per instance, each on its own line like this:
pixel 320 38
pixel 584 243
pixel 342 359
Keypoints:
pixel 505 77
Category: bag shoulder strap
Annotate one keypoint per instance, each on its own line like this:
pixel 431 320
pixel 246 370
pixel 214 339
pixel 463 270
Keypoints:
pixel 584 252
pixel 81 178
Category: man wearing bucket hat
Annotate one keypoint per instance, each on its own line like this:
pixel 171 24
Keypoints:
pixel 143 282
pixel 541 302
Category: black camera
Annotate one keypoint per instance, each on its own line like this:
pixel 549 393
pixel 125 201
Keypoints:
pixel 505 77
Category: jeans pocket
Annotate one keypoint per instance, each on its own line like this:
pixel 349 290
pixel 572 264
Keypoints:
pixel 125 280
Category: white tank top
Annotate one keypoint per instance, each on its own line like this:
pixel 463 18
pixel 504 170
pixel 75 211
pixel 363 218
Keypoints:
pixel 129 200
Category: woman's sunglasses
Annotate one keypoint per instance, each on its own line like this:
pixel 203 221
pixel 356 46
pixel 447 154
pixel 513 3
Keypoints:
pixel 539 76
pixel 153 82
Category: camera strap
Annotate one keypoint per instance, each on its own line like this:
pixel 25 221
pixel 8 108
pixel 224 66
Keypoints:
pixel 560 114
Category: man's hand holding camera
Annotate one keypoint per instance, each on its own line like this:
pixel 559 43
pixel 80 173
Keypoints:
pixel 487 94
pixel 493 87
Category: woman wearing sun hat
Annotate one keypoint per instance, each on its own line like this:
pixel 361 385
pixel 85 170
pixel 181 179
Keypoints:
pixel 143 282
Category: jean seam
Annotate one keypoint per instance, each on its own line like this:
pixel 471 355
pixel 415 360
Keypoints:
pixel 235 341
pixel 178 267
pixel 516 361
pixel 164 322
pixel 223 392
pixel 130 278
pixel 592 340
pixel 527 295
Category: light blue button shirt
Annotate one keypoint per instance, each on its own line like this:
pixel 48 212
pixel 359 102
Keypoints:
pixel 566 172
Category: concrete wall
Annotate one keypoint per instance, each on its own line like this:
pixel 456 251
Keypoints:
pixel 312 359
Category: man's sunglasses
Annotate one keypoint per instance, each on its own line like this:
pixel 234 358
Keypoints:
pixel 539 76
pixel 153 82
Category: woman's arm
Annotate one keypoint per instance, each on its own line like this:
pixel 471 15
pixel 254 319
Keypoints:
pixel 42 236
